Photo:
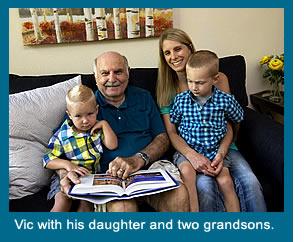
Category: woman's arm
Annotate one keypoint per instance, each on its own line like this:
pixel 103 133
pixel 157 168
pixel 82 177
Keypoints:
pixel 128 165
pixel 223 83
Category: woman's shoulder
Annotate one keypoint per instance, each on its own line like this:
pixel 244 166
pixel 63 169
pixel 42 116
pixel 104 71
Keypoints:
pixel 223 83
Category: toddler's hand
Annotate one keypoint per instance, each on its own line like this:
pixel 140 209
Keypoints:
pixel 82 171
pixel 97 126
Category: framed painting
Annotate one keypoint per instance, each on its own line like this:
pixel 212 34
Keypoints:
pixel 66 25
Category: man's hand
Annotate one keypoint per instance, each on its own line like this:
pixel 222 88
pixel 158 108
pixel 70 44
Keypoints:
pixel 123 166
pixel 65 181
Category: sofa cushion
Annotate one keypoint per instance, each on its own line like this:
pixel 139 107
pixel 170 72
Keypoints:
pixel 33 115
pixel 233 66
pixel 25 83
pixel 144 78
pixel 235 69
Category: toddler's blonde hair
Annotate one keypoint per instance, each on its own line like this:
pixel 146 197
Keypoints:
pixel 79 93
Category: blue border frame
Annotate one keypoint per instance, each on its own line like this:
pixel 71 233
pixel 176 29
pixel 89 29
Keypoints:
pixel 281 223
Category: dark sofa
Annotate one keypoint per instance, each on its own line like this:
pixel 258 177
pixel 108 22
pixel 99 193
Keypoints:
pixel 260 138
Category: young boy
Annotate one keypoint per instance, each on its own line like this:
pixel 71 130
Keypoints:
pixel 76 146
pixel 201 114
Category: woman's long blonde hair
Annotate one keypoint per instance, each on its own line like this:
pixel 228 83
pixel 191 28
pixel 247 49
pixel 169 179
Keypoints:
pixel 167 81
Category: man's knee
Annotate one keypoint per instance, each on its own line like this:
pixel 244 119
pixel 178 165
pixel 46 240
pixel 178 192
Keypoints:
pixel 181 197
pixel 122 206
pixel 176 200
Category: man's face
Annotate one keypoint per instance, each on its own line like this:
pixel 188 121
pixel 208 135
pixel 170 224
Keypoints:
pixel 112 76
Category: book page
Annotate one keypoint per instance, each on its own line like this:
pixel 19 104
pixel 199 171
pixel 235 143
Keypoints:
pixel 105 179
pixel 140 182
pixel 104 183
pixel 148 180
pixel 144 177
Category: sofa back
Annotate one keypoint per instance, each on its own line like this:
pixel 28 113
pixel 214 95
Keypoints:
pixel 233 66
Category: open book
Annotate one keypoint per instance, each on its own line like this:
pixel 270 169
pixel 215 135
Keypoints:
pixel 102 188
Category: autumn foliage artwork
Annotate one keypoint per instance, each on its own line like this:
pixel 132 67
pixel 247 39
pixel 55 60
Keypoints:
pixel 66 25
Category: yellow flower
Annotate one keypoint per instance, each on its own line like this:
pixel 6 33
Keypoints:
pixel 273 68
pixel 265 59
pixel 276 64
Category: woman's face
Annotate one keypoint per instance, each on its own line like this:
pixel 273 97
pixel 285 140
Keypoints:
pixel 176 54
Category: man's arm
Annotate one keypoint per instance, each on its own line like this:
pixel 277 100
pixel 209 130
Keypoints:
pixel 157 148
pixel 123 166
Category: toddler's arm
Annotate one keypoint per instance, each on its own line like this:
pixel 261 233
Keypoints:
pixel 58 164
pixel 110 138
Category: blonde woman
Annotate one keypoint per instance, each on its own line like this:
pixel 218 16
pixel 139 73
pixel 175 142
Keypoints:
pixel 175 48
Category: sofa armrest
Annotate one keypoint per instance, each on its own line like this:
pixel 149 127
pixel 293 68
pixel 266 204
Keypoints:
pixel 261 141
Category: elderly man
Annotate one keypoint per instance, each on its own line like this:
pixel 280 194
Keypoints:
pixel 142 139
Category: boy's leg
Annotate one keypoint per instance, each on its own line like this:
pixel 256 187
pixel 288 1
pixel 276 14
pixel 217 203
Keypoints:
pixel 62 203
pixel 226 186
pixel 85 206
pixel 188 175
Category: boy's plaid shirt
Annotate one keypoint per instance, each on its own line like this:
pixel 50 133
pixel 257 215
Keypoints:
pixel 204 126
pixel 82 149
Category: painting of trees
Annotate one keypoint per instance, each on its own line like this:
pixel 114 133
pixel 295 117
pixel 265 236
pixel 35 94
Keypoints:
pixel 66 25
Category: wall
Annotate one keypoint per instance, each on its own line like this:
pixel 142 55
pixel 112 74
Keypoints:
pixel 249 32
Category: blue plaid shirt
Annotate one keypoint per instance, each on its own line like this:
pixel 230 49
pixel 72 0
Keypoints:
pixel 204 126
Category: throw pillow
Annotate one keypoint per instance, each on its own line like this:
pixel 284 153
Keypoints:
pixel 33 115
